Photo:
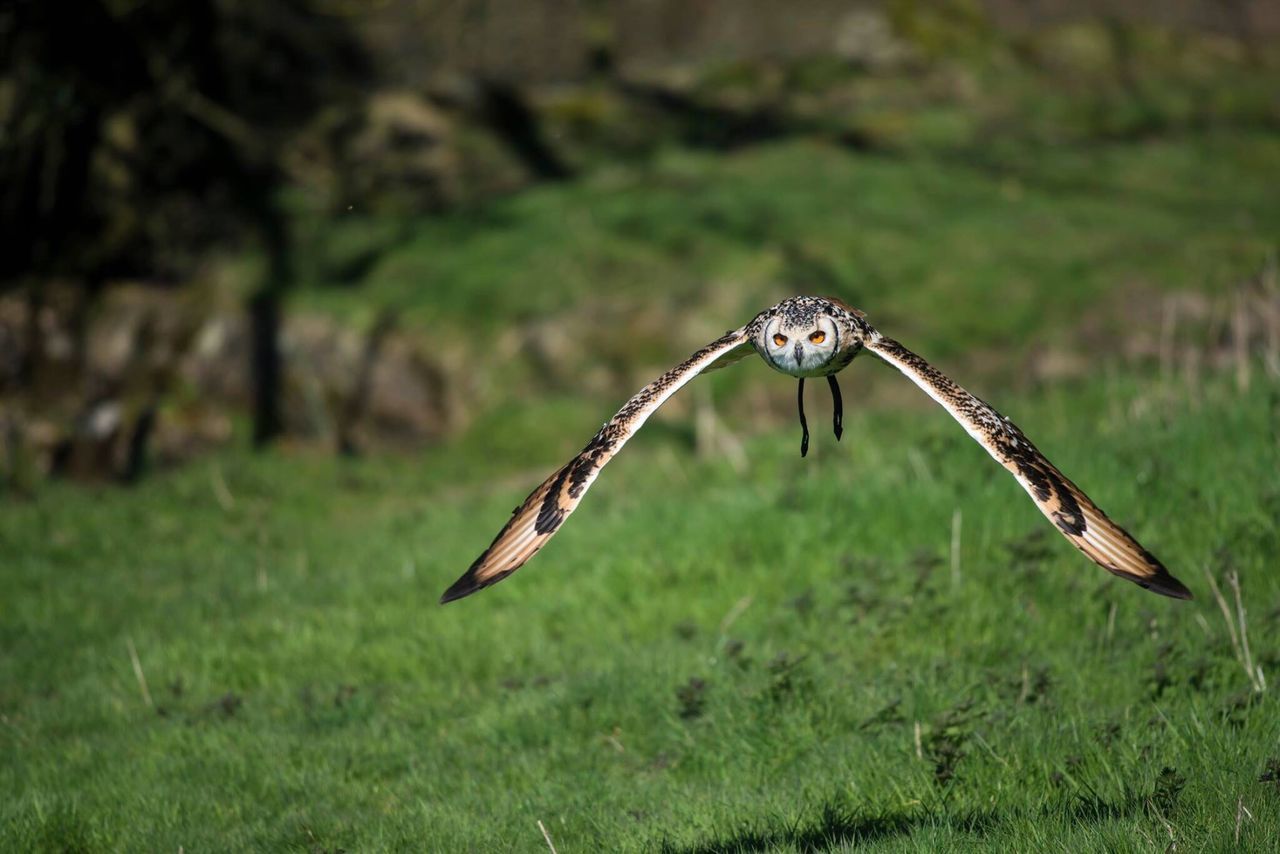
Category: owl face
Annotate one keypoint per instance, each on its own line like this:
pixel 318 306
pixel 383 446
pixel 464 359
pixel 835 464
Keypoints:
pixel 801 344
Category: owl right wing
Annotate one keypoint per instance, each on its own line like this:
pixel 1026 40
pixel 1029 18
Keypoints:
pixel 536 520
pixel 1078 519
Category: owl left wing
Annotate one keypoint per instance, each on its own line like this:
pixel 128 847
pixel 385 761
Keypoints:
pixel 1078 519
pixel 536 520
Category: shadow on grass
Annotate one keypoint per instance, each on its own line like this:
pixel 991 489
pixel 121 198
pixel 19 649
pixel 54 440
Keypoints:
pixel 839 827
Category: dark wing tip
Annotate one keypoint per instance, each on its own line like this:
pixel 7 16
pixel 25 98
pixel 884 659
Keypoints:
pixel 471 581
pixel 1160 580
pixel 1166 585
pixel 461 588
pixel 466 585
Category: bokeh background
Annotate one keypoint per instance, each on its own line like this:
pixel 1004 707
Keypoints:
pixel 358 225
pixel 298 298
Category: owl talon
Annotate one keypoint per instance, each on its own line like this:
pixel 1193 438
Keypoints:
pixel 804 425
pixel 837 417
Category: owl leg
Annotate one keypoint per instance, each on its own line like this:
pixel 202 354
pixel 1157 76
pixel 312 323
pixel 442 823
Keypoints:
pixel 837 418
pixel 804 425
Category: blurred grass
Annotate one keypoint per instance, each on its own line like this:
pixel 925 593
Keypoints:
pixel 703 660
pixel 1004 240
pixel 984 261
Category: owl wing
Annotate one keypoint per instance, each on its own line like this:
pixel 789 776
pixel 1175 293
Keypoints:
pixel 544 511
pixel 1075 515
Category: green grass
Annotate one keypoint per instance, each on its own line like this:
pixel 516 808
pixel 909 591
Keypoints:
pixel 780 658
pixel 1051 228
pixel 999 248
pixel 308 694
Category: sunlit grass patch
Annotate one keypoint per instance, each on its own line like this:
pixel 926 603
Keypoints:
pixel 704 659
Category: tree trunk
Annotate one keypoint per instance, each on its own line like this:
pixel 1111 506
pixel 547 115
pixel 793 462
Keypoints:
pixel 264 328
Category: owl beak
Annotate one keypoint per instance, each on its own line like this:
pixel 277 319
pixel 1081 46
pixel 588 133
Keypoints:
pixel 799 351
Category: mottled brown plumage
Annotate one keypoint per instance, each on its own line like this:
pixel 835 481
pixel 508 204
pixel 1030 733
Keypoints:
pixel 1080 520
pixel 813 337
pixel 546 508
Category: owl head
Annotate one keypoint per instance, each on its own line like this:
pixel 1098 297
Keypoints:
pixel 803 336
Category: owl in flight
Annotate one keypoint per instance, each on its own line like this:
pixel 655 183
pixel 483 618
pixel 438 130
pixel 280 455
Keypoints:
pixel 809 337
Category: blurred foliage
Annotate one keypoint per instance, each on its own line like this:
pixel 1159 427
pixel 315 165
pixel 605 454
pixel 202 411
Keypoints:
pixel 945 28
pixel 610 188
pixel 477 227
pixel 922 244
pixel 144 132
pixel 139 134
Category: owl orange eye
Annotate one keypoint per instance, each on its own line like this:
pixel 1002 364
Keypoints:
pixel 779 339
pixel 818 337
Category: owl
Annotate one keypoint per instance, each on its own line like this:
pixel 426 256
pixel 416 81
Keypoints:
pixel 810 337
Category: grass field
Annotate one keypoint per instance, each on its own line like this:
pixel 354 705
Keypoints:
pixel 921 242
pixel 704 660
pixel 986 258
pixel 883 645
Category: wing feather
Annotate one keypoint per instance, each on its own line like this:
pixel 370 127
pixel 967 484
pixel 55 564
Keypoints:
pixel 536 520
pixel 1078 519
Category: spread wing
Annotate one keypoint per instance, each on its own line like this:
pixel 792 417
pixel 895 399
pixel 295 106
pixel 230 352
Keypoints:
pixel 1079 519
pixel 544 511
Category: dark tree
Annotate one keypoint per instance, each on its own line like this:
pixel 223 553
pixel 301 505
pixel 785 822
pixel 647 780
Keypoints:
pixel 139 135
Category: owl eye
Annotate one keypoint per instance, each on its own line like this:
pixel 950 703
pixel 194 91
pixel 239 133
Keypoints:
pixel 818 337
pixel 779 339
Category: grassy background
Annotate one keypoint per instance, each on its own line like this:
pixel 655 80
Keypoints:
pixel 1050 227
pixel 705 659
pixel 981 257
